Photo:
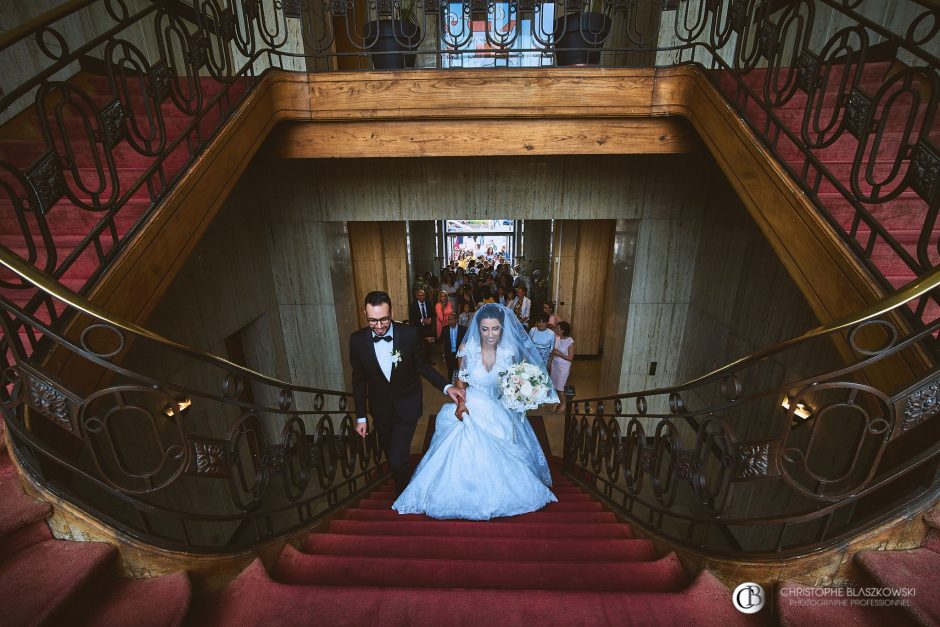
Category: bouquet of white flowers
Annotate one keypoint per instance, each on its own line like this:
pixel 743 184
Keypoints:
pixel 524 386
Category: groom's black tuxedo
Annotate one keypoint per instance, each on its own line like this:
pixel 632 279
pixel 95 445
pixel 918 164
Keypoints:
pixel 395 404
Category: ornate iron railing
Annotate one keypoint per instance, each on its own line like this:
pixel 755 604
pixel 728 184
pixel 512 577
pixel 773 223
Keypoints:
pixel 121 96
pixel 747 460
pixel 217 466
pixel 850 113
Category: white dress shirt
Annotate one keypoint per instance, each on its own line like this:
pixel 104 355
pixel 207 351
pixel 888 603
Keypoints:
pixel 383 352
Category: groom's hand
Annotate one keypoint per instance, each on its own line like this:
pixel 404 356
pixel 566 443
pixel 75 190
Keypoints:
pixel 457 395
pixel 362 428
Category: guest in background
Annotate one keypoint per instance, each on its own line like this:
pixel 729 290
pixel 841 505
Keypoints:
pixel 501 295
pixel 442 309
pixel 521 280
pixel 521 306
pixel 451 337
pixel 552 319
pixel 465 297
pixel 421 315
pixel 466 315
pixel 447 285
pixel 542 337
pixel 562 356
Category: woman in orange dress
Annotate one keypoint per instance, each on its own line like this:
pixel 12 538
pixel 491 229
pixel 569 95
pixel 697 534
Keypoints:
pixel 442 310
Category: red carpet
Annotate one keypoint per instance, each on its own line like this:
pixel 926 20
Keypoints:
pixel 405 570
pixel 48 581
pixel 21 144
pixel 903 217
pixel 572 563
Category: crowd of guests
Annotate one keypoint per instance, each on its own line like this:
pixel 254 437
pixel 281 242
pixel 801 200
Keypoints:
pixel 443 309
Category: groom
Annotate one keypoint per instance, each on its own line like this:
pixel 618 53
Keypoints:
pixel 386 360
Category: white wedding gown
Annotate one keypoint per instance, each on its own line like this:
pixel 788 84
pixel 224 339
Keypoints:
pixel 486 466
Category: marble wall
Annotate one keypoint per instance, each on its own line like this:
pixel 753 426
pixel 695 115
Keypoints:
pixel 206 313
pixel 289 295
pixel 707 289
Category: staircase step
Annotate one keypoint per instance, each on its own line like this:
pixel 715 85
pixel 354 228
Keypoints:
pixel 479 529
pixel 567 506
pixel 566 495
pixel 581 518
pixel 664 575
pixel 156 602
pixel 23 538
pixel 18 509
pixel 63 568
pixel 496 549
pixel 917 568
pixel 254 599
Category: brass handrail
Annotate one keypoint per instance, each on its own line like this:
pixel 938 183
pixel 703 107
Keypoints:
pixel 53 288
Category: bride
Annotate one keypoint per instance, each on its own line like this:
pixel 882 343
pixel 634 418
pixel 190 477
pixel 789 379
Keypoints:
pixel 484 460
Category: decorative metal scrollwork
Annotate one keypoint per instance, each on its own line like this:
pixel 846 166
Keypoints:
pixel 250 461
pixel 227 25
pixel 712 470
pixel 50 400
pixel 113 118
pixel 920 405
pixel 119 419
pixel 209 458
pixel 739 14
pixel 857 108
pixel 664 471
pixel 47 180
pixel 160 78
pixel 292 8
pixel 117 340
pixel 752 460
pixel 808 72
pixel 296 470
pixel 848 431
pixel 767 39
pixel 635 454
pixel 326 472
pixel 925 170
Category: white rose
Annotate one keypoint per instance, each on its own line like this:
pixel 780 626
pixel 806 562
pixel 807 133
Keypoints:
pixel 526 389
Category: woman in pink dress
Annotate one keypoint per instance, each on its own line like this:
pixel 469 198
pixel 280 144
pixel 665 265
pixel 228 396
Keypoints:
pixel 562 356
pixel 442 311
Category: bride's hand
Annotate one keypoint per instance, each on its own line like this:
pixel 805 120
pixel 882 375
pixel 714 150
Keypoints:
pixel 461 410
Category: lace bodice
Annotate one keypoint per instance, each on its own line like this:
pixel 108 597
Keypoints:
pixel 475 374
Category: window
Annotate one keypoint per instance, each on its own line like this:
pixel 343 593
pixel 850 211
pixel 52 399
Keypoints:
pixel 498 37
pixel 475 238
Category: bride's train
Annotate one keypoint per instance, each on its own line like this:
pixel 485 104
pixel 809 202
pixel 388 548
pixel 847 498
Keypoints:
pixel 488 465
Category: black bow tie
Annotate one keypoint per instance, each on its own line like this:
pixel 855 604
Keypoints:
pixel 381 338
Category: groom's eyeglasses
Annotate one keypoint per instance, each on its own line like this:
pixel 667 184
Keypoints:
pixel 375 321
